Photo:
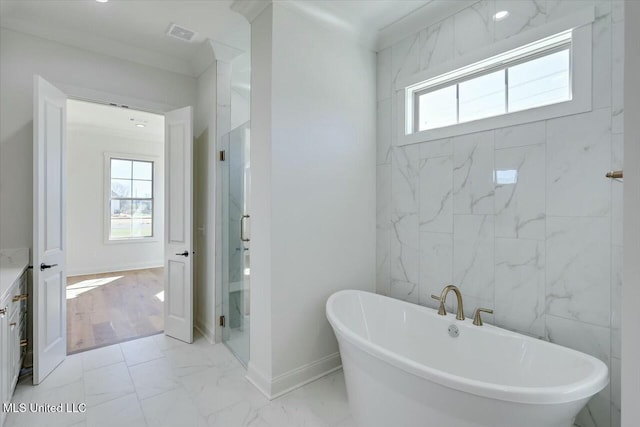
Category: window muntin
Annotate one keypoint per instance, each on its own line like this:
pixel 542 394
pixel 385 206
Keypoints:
pixel 531 76
pixel 131 199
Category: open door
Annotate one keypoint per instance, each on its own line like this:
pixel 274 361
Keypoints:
pixel 178 247
pixel 49 234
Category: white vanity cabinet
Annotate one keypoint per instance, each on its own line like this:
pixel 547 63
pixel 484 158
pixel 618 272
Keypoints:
pixel 13 320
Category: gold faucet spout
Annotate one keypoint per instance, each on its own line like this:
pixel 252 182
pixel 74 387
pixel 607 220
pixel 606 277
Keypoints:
pixel 443 297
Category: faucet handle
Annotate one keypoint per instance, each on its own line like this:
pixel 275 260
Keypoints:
pixel 435 297
pixel 442 311
pixel 477 318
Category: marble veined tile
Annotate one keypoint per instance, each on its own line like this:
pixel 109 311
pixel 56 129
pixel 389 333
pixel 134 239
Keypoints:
pixel 473 255
pixel 523 15
pixel 474 27
pixel 383 229
pixel 241 414
pixel 617 10
pixel 578 156
pixel 557 9
pixel 520 285
pixel 593 340
pixel 383 66
pixel 602 54
pixel 436 194
pixel 124 411
pixel 616 299
pixel 436 265
pixel 383 133
pixel 521 135
pixel 153 377
pixel 579 269
pixel 437 148
pixel 617 77
pixel 405 247
pixel 436 44
pixel 404 178
pixel 589 339
pixel 473 165
pixel 107 383
pixel 616 398
pixel 170 409
pixel 405 58
pixel 212 390
pixel 520 192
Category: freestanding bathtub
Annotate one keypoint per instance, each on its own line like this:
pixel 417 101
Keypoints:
pixel 404 369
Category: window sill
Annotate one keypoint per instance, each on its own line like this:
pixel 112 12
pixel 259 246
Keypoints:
pixel 132 241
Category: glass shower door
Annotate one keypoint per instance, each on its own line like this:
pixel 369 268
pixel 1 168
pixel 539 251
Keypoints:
pixel 236 243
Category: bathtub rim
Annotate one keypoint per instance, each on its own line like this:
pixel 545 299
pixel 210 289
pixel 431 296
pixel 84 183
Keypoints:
pixel 585 388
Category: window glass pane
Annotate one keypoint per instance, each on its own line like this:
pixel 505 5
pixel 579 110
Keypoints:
pixel 142 189
pixel 142 170
pixel 437 108
pixel 120 188
pixel 120 225
pixel 482 96
pixel 142 209
pixel 542 81
pixel 120 168
pixel 142 227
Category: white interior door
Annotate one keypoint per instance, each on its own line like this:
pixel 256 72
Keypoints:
pixel 178 248
pixel 49 235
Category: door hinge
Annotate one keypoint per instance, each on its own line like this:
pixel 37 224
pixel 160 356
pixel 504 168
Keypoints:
pixel 223 155
pixel 222 321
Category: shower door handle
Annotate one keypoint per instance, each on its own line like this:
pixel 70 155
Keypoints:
pixel 242 228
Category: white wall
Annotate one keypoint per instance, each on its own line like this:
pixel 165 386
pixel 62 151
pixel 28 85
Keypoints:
pixel 313 195
pixel 544 253
pixel 87 251
pixel 75 71
pixel 631 289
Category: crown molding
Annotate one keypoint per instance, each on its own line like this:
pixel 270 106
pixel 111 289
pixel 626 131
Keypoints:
pixel 250 9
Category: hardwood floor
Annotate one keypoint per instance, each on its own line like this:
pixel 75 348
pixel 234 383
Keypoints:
pixel 108 308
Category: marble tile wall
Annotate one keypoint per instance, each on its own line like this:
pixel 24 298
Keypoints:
pixel 544 252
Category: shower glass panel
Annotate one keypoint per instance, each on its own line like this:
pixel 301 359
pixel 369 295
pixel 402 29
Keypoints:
pixel 236 242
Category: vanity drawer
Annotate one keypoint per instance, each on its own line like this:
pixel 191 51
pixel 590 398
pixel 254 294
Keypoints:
pixel 18 296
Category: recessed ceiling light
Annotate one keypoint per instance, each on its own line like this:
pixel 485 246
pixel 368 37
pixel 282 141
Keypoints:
pixel 499 16
pixel 102 1
pixel 139 125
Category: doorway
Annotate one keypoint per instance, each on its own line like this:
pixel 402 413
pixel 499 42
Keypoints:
pixel 115 224
pixel 236 235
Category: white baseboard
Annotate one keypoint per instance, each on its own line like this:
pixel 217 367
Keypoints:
pixel 296 378
pixel 205 331
pixel 113 269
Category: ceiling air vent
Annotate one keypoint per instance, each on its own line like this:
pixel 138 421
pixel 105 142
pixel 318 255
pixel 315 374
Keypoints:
pixel 181 33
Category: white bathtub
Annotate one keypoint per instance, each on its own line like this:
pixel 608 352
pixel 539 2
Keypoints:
pixel 403 369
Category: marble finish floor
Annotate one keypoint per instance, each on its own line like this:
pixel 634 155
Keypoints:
pixel 109 308
pixel 158 381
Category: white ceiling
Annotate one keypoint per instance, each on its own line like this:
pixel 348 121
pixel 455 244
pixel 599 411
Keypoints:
pixel 135 29
pixel 115 120
pixel 132 26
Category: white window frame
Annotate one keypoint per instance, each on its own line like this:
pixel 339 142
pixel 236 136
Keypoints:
pixel 581 82
pixel 107 198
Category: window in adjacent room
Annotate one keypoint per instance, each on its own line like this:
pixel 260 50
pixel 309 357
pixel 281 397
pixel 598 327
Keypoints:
pixel 131 199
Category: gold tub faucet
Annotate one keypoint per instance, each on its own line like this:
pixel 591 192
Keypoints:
pixel 442 298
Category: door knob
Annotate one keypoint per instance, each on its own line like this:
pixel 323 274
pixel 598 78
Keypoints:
pixel 44 266
pixel 184 254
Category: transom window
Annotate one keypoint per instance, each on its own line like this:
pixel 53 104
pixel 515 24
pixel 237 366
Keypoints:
pixel 534 75
pixel 131 199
